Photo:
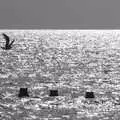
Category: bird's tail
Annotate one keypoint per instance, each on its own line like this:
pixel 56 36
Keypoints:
pixel 3 47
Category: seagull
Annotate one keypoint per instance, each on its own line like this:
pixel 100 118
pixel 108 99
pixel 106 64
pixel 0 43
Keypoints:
pixel 8 45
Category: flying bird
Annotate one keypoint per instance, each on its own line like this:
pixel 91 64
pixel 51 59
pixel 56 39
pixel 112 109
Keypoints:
pixel 8 45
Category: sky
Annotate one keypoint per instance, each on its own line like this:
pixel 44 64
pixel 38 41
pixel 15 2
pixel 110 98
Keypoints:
pixel 59 14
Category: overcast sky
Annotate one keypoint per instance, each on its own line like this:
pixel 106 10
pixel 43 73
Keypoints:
pixel 60 14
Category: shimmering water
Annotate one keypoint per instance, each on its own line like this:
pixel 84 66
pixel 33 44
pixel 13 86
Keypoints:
pixel 72 62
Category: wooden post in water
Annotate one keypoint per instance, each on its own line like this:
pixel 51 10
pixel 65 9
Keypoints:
pixel 89 95
pixel 23 92
pixel 53 93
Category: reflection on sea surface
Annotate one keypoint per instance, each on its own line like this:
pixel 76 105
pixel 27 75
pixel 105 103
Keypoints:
pixel 69 62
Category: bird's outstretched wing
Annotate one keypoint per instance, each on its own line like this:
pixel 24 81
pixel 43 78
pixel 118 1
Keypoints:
pixel 6 38
pixel 11 42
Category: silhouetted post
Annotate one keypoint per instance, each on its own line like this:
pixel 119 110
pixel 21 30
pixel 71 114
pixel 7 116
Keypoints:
pixel 23 93
pixel 89 95
pixel 53 93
